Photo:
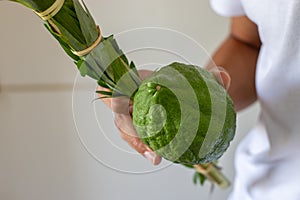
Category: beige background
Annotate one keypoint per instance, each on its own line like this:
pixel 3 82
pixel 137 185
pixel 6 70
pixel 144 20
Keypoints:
pixel 41 156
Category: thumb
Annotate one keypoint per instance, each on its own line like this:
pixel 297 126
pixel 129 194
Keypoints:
pixel 222 76
pixel 129 134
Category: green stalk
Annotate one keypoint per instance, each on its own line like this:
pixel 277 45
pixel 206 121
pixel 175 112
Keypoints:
pixel 211 172
pixel 75 29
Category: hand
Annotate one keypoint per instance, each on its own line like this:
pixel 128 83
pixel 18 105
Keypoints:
pixel 221 75
pixel 122 107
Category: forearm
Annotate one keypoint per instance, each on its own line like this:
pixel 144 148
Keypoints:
pixel 239 59
pixel 238 55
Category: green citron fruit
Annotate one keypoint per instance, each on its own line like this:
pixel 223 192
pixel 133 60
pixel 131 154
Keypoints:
pixel 184 114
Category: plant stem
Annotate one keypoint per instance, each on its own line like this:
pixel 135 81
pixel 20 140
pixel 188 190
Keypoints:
pixel 213 173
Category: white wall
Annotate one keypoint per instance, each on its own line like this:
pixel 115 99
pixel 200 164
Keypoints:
pixel 41 155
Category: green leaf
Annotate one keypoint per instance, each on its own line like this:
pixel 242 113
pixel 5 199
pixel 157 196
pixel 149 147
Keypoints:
pixel 63 44
pixel 104 97
pixel 86 68
pixel 103 84
pixel 202 178
pixel 109 94
pixel 40 5
pixel 87 24
pixel 69 38
pixel 195 178
pixel 198 177
pixel 104 93
pixel 132 66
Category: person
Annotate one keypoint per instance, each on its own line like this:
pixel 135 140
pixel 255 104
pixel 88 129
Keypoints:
pixel 262 58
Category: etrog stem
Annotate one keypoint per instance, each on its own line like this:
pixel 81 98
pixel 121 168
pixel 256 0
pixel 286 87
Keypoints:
pixel 213 173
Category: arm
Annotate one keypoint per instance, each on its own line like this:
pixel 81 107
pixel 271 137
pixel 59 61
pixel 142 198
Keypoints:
pixel 238 55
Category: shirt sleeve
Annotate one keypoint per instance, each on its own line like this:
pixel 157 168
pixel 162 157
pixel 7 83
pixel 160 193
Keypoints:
pixel 228 8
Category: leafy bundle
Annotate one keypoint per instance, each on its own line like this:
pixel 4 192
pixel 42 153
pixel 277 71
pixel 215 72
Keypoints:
pixel 100 58
pixel 75 30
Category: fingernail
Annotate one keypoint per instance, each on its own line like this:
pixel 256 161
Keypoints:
pixel 150 156
pixel 226 78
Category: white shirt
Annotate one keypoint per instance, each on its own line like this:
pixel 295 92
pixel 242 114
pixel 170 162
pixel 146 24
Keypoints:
pixel 268 159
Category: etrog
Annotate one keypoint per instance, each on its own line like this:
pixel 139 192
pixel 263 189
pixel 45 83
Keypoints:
pixel 184 114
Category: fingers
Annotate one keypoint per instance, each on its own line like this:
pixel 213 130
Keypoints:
pixel 222 76
pixel 107 101
pixel 117 104
pixel 122 107
pixel 144 73
pixel 120 104
pixel 129 134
